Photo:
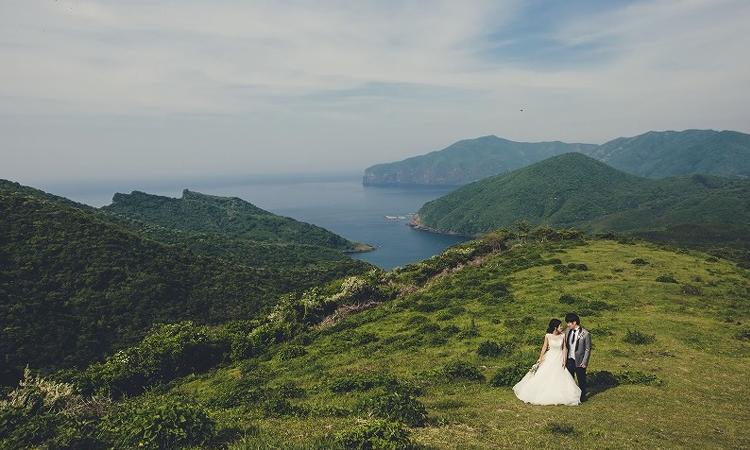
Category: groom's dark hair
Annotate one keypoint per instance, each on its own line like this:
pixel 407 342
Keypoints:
pixel 572 317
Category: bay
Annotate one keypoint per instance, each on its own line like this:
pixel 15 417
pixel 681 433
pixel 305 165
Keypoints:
pixel 339 203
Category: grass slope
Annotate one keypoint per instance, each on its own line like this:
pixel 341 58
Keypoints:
pixel 576 190
pixel 668 369
pixel 698 360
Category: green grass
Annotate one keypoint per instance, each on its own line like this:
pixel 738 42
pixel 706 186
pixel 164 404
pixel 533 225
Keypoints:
pixel 701 366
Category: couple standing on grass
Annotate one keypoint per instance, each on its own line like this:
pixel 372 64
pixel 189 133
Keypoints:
pixel 565 354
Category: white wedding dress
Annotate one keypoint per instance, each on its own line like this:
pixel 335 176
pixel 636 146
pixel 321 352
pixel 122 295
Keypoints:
pixel 552 384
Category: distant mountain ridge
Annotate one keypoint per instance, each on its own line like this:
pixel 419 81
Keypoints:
pixel 655 154
pixel 574 190
pixel 465 161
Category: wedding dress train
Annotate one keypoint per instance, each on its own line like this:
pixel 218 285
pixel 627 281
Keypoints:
pixel 552 384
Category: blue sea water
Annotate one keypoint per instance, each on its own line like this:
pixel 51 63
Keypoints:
pixel 338 203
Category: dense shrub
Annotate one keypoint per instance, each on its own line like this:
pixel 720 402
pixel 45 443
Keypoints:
pixel 493 348
pixel 397 407
pixel 639 262
pixel 462 370
pixel 743 335
pixel 578 266
pixel 365 381
pixel 666 279
pixel 637 338
pixel 470 331
pixel 43 413
pixel 450 313
pixel 374 435
pixel 689 289
pixel 291 352
pixel 560 428
pixel 168 351
pixel 159 423
pixel 568 299
pixel 607 379
pixel 508 376
pixel 563 269
pixel 278 406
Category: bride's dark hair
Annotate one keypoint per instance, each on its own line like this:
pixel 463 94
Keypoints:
pixel 554 323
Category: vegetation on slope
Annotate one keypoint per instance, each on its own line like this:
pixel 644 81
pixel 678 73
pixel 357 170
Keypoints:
pixel 76 284
pixel 653 154
pixel 466 161
pixel 574 190
pixel 424 356
pixel 230 217
pixel 659 154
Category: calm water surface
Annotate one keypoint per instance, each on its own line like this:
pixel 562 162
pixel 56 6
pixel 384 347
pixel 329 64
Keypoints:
pixel 340 204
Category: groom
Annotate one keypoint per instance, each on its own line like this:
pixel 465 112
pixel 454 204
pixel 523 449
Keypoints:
pixel 578 340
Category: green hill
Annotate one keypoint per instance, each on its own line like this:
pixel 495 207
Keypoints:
pixel 574 190
pixel 76 282
pixel 653 154
pixel 466 161
pixel 424 357
pixel 230 217
pixel 659 154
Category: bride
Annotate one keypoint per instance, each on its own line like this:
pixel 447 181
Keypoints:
pixel 551 383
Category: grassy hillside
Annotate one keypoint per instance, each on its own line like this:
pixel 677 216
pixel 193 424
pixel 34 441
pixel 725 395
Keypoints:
pixel 229 217
pixel 659 154
pixel 466 161
pixel 76 284
pixel 578 191
pixel 654 154
pixel 424 356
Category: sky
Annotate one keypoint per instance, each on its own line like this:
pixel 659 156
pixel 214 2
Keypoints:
pixel 171 89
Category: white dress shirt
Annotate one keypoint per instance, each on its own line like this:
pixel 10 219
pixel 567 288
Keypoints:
pixel 572 342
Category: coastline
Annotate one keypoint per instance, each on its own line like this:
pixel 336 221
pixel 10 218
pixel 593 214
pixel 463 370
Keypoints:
pixel 416 223
pixel 360 247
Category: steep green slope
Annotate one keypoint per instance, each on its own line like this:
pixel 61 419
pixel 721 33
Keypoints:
pixel 671 153
pixel 653 154
pixel 576 190
pixel 74 283
pixel 466 161
pixel 230 217
pixel 426 356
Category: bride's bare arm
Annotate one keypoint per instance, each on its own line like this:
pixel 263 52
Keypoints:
pixel 564 351
pixel 544 349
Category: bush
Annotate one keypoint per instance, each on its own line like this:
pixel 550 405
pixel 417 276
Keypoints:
pixel 159 423
pixel 492 348
pixel 508 376
pixel 635 337
pixel 278 406
pixel 561 268
pixel 291 352
pixel 608 379
pixel 396 407
pixel 560 428
pixel 471 331
pixel 689 289
pixel 568 299
pixel 743 335
pixel 43 413
pixel 166 352
pixel 666 279
pixel 639 262
pixel 376 434
pixel 361 382
pixel 462 370
pixel 578 266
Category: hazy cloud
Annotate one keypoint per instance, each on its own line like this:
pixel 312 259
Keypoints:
pixel 102 89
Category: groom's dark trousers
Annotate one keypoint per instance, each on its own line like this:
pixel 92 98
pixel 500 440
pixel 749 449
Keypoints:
pixel 579 373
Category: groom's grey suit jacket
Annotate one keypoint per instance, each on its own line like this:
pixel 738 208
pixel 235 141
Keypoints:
pixel 582 346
